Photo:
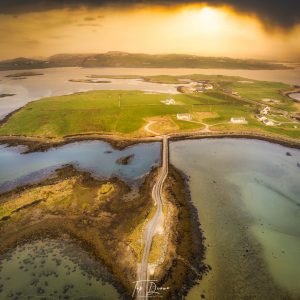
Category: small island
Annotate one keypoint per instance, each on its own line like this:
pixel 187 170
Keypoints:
pixel 6 95
pixel 23 75
pixel 208 105
pixel 125 160
pixel 89 81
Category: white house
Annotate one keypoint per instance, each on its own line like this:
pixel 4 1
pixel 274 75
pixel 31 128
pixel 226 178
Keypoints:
pixel 265 120
pixel 168 101
pixel 184 117
pixel 265 110
pixel 208 86
pixel 240 120
pixel 271 100
pixel 260 118
pixel 268 122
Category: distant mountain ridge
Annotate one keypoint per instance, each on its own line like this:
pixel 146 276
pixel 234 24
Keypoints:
pixel 138 60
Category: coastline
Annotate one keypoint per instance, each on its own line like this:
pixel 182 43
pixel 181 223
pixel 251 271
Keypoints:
pixel 82 229
pixel 174 270
pixel 183 271
pixel 293 91
pixel 227 214
pixel 292 143
pixel 188 266
pixel 40 144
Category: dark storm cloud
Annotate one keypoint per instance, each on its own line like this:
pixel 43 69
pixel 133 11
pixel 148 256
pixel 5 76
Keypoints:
pixel 284 13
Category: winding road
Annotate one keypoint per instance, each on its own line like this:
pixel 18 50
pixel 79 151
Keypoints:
pixel 143 272
pixel 147 128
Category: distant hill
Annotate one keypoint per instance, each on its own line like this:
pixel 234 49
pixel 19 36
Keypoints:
pixel 21 63
pixel 138 60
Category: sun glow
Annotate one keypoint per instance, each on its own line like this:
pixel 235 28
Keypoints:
pixel 211 19
pixel 194 29
pixel 206 21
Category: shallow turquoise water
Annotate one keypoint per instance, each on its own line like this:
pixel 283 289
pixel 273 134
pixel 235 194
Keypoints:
pixel 247 194
pixel 52 269
pixel 97 157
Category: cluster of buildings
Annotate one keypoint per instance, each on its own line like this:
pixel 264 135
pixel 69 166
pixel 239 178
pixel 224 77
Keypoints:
pixel 181 117
pixel 231 92
pixel 272 101
pixel 265 120
pixel 262 116
pixel 200 87
pixel 265 110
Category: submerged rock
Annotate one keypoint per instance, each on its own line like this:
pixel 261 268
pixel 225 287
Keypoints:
pixel 125 160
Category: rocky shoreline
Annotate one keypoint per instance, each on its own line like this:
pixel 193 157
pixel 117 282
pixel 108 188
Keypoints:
pixel 57 227
pixel 38 144
pixel 188 266
pixel 187 225
pixel 184 270
pixel 41 144
pixel 112 222
pixel 292 143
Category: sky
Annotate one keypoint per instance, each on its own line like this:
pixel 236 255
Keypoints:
pixel 239 29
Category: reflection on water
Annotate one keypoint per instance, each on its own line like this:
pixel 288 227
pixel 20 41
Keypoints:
pixel 248 198
pixel 51 269
pixel 97 157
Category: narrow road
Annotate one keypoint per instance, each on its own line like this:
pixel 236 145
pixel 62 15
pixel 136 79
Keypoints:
pixel 151 227
pixel 147 128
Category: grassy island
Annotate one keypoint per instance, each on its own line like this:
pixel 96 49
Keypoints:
pixel 207 104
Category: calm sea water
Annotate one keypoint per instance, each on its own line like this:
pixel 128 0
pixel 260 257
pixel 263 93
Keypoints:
pixel 247 194
pixel 97 157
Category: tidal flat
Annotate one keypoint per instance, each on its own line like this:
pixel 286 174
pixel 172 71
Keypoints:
pixel 53 269
pixel 105 218
pixel 247 196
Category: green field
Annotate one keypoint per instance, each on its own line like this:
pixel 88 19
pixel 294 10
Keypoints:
pixel 171 79
pixel 253 90
pixel 127 112
pixel 100 111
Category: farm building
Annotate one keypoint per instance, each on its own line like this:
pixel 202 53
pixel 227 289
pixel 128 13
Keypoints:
pixel 274 101
pixel 268 122
pixel 208 86
pixel 260 118
pixel 240 120
pixel 265 110
pixel 168 101
pixel 184 117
